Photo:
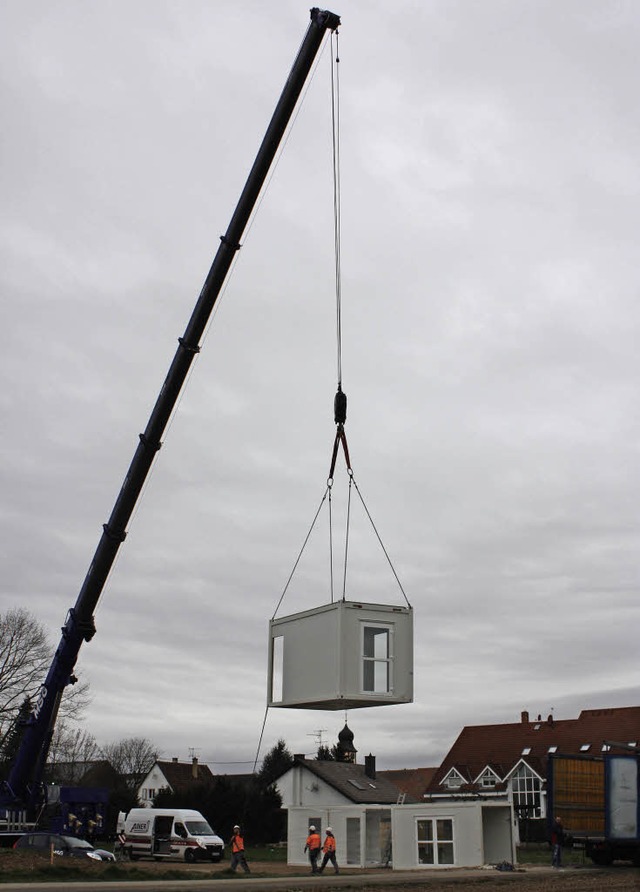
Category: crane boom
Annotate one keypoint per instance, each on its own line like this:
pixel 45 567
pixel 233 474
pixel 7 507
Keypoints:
pixel 24 781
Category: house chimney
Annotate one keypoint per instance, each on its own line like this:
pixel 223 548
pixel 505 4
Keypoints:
pixel 550 720
pixel 524 717
pixel 370 766
pixel 174 759
pixel 194 768
pixel 298 757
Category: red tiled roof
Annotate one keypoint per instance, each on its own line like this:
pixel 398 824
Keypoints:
pixel 412 781
pixel 502 747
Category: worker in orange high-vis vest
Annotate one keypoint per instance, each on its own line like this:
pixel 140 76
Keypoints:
pixel 329 849
pixel 313 846
pixel 237 851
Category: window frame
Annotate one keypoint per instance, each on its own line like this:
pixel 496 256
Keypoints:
pixel 526 792
pixel 438 842
pixel 375 660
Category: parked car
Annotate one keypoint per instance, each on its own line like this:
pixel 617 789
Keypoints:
pixel 8 838
pixel 67 846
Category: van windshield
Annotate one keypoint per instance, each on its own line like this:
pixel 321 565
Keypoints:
pixel 199 828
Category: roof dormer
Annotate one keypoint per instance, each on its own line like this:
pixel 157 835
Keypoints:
pixel 453 779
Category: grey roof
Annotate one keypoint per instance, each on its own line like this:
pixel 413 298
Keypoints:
pixel 353 783
pixel 180 775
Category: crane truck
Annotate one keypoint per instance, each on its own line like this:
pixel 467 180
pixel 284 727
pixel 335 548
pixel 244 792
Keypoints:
pixel 23 791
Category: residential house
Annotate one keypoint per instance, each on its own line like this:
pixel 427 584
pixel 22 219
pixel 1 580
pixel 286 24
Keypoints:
pixel 494 760
pixel 175 776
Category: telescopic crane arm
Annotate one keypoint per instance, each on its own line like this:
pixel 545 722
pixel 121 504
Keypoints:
pixel 24 781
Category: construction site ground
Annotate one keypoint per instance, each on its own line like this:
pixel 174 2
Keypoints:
pixel 20 871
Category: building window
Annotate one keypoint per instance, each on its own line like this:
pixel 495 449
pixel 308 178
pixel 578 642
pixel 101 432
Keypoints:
pixel 377 657
pixel 585 747
pixel 552 749
pixel 525 786
pixel 435 841
pixel 526 751
pixel 488 779
pixel 452 780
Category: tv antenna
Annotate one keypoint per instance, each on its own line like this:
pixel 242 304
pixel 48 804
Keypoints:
pixel 318 735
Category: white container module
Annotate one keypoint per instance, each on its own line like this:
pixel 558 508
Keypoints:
pixel 343 655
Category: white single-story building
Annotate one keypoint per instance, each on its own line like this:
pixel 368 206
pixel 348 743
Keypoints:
pixel 429 835
pixel 375 826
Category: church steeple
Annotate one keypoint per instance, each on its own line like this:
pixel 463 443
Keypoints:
pixel 346 751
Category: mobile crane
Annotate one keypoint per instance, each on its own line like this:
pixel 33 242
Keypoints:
pixel 23 788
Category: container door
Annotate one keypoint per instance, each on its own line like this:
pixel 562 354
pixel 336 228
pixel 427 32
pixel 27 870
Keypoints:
pixel 353 841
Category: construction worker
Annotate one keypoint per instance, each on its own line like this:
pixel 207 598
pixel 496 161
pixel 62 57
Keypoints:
pixel 329 849
pixel 313 846
pixel 237 851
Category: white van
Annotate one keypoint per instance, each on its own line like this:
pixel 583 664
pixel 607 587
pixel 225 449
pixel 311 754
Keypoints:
pixel 168 833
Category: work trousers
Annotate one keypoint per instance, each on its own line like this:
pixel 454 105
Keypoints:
pixel 329 856
pixel 239 858
pixel 314 854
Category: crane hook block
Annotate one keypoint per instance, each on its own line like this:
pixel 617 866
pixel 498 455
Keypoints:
pixel 340 407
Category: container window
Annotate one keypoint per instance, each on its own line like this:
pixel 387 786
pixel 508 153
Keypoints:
pixel 376 667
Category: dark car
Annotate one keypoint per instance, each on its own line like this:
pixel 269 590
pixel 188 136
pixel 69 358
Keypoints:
pixel 67 846
pixel 8 838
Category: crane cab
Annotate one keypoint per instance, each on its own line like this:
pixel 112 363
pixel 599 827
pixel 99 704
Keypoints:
pixel 343 655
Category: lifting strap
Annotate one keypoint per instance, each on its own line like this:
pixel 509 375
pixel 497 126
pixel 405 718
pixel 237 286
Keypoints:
pixel 341 437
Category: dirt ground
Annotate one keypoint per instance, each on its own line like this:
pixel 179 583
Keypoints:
pixel 530 878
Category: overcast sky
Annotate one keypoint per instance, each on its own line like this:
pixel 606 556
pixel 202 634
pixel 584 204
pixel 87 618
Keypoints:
pixel 490 216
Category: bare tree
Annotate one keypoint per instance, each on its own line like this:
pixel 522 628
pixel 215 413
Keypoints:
pixel 25 658
pixel 25 655
pixel 132 758
pixel 71 753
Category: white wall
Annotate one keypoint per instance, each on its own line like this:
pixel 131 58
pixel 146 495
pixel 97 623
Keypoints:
pixel 477 833
pixel 481 832
pixel 299 787
pixel 155 780
pixel 322 656
pixel 336 818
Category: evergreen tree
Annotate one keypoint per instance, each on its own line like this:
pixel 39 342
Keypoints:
pixel 325 753
pixel 275 763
